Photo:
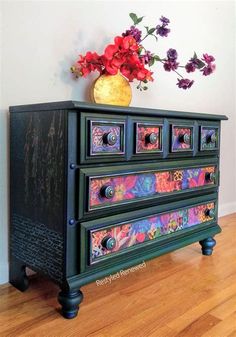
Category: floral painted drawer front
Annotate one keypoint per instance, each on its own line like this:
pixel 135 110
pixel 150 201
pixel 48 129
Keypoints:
pixel 148 184
pixel 140 231
pixel 182 139
pixel 209 138
pixel 106 138
pixel 148 138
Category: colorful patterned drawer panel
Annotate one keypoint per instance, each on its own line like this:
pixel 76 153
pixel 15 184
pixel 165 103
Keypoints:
pixel 148 138
pixel 209 138
pixel 107 137
pixel 120 237
pixel 182 138
pixel 108 190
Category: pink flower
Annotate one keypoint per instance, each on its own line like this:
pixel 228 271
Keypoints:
pixel 207 70
pixel 208 58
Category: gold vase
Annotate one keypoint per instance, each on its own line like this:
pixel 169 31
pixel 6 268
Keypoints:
pixel 111 89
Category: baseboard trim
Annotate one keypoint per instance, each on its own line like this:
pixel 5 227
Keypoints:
pixel 4 273
pixel 228 208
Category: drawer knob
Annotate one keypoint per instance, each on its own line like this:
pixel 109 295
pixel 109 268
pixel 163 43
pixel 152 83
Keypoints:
pixel 110 138
pixel 184 138
pixel 151 138
pixel 210 212
pixel 108 242
pixel 107 191
pixel 211 138
pixel 210 176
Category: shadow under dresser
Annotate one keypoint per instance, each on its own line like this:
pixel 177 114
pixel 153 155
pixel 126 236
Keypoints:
pixel 99 188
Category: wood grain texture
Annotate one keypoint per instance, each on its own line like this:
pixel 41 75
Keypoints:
pixel 182 294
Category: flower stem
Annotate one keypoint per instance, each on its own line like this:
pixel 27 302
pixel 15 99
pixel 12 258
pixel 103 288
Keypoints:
pixel 144 37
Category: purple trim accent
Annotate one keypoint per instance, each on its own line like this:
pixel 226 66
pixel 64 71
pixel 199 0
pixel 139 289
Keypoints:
pixel 98 129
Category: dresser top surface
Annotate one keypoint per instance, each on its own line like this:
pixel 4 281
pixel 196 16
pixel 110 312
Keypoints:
pixel 105 108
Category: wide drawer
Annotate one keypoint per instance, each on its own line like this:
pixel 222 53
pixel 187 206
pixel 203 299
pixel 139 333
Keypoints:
pixel 127 185
pixel 106 240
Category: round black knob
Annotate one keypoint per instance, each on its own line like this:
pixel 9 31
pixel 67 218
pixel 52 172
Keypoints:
pixel 107 191
pixel 108 242
pixel 110 138
pixel 210 176
pixel 210 212
pixel 184 138
pixel 211 138
pixel 151 138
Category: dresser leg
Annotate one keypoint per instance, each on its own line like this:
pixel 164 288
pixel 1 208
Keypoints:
pixel 207 245
pixel 17 274
pixel 70 301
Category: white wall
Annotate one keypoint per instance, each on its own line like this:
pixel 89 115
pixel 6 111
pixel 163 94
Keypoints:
pixel 41 40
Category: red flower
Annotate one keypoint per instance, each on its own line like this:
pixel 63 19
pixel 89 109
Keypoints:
pixel 110 51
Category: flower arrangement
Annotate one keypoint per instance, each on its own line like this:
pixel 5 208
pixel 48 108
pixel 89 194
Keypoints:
pixel 128 56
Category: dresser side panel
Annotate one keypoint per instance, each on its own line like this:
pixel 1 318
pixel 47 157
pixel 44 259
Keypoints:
pixel 37 186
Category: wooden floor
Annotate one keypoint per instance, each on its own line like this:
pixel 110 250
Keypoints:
pixel 182 294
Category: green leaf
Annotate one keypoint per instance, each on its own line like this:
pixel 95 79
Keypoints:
pixel 151 62
pixel 200 64
pixel 145 88
pixel 151 30
pixel 140 19
pixel 157 58
pixel 134 17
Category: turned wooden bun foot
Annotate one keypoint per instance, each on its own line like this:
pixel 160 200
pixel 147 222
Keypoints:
pixel 70 303
pixel 207 246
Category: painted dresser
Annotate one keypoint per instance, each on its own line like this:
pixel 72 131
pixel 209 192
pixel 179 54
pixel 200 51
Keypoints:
pixel 99 188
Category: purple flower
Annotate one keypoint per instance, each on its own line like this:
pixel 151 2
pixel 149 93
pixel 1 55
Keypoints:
pixel 146 58
pixel 190 67
pixel 170 65
pixel 184 83
pixel 164 21
pixel 172 54
pixel 135 32
pixel 208 69
pixel 162 31
pixel 208 58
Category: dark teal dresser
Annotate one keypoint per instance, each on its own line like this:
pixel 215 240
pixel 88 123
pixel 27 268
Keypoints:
pixel 99 188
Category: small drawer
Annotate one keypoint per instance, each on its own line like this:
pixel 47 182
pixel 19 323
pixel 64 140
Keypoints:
pixel 117 189
pixel 106 138
pixel 148 138
pixel 122 237
pixel 181 138
pixel 209 138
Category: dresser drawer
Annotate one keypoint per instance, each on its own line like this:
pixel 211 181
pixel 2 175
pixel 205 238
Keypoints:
pixel 148 138
pixel 109 240
pixel 105 138
pixel 145 183
pixel 182 138
pixel 209 138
